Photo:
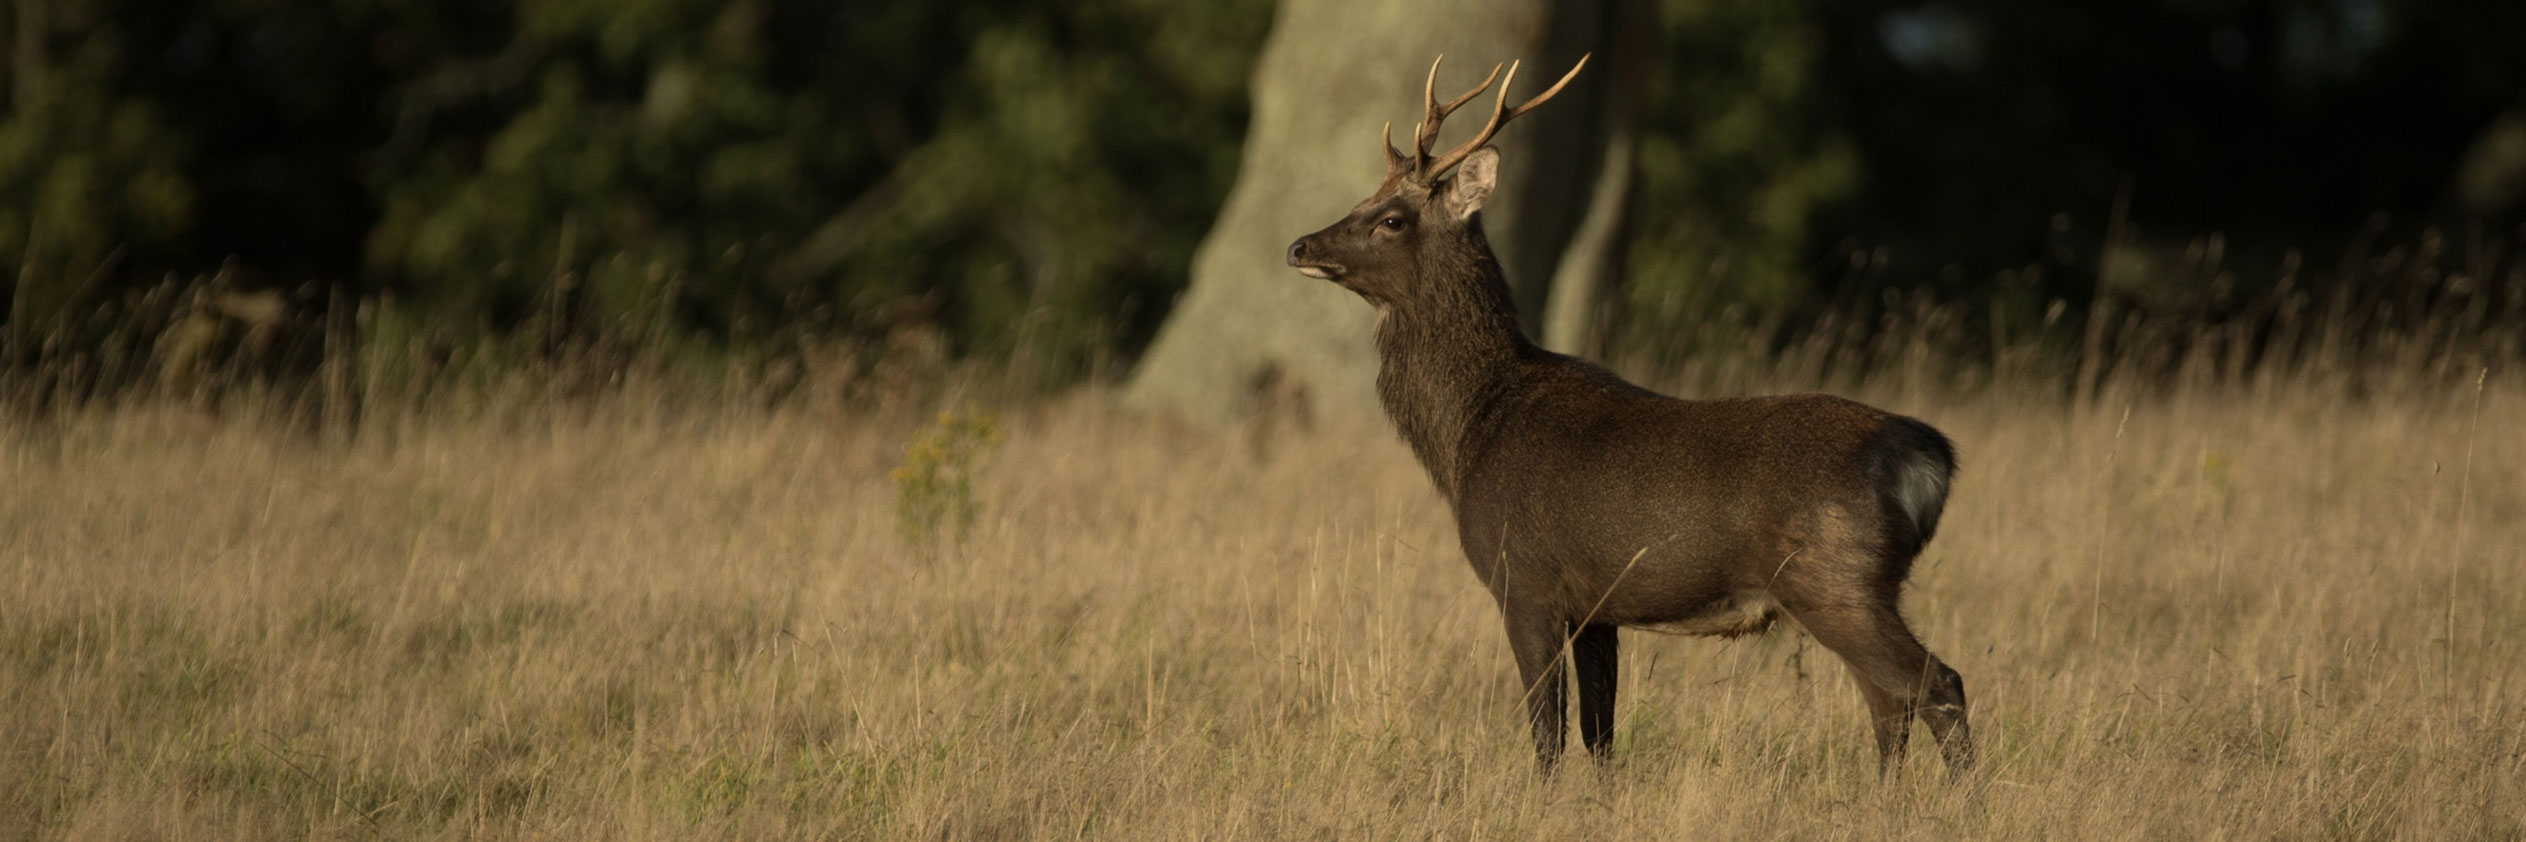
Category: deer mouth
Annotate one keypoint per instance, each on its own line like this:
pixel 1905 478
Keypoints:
pixel 1302 257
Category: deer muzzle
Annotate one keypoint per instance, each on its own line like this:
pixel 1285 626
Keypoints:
pixel 1301 257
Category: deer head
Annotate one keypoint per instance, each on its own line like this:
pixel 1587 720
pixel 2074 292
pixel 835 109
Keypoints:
pixel 1422 215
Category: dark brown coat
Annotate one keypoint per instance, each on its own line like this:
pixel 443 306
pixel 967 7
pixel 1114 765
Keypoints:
pixel 1585 503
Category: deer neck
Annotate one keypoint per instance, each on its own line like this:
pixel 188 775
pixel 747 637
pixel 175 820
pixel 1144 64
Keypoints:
pixel 1444 357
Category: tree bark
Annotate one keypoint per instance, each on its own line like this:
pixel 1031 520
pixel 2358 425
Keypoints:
pixel 1589 274
pixel 1332 73
pixel 1578 307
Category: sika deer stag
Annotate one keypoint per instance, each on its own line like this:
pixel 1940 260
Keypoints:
pixel 1587 504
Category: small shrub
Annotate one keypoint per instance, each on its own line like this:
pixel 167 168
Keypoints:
pixel 934 488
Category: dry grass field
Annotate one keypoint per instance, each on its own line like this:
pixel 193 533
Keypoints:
pixel 2281 610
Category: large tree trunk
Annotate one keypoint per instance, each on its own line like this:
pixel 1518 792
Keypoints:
pixel 1579 307
pixel 1333 72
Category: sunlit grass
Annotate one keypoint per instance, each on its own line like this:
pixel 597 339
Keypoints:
pixel 2277 610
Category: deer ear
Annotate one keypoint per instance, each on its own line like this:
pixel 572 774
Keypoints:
pixel 1471 185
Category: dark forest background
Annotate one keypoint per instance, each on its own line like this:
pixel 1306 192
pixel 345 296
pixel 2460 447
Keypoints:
pixel 234 186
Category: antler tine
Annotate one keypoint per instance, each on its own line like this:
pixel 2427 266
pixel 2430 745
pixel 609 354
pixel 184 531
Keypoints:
pixel 1431 169
pixel 1548 92
pixel 1394 157
pixel 1429 87
pixel 1433 113
pixel 1500 116
pixel 1442 111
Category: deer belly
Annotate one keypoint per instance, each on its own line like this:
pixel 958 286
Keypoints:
pixel 1738 614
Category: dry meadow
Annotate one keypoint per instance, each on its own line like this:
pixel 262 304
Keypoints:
pixel 2283 609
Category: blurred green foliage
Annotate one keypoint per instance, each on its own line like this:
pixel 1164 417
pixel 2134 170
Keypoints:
pixel 83 176
pixel 2042 171
pixel 1009 171
pixel 1026 181
pixel 1733 165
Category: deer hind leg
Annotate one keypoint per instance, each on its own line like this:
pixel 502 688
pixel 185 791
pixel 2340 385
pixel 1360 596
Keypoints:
pixel 1899 678
pixel 1593 652
pixel 1890 719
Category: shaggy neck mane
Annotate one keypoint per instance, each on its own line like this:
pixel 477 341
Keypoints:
pixel 1443 347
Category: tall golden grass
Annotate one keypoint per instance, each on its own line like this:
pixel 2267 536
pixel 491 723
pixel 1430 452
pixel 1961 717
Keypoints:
pixel 2265 607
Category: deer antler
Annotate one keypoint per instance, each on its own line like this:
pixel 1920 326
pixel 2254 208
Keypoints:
pixel 1425 168
pixel 1432 115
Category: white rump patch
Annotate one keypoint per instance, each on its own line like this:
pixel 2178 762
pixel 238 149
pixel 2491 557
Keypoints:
pixel 1920 487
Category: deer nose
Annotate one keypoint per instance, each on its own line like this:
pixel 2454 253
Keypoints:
pixel 1297 252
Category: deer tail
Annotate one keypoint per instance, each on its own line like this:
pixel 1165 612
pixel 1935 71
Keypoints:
pixel 1919 463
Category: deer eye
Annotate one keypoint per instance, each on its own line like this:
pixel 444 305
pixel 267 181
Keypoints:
pixel 1391 223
